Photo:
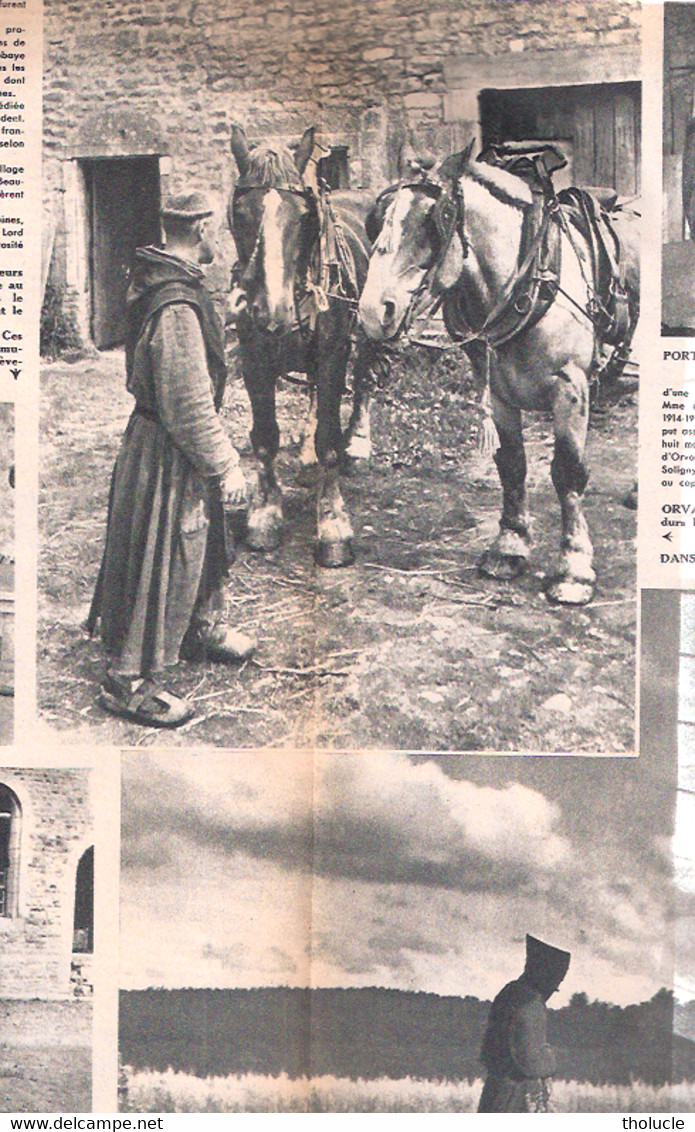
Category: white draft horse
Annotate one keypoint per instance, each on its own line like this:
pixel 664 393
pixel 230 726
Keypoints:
pixel 455 235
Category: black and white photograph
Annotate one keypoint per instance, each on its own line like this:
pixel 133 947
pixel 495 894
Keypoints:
pixel 339 397
pixel 678 253
pixel 345 933
pixel 347 717
pixel 392 933
pixel 46 940
pixel 7 531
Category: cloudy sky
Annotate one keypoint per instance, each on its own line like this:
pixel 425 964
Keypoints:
pixel 421 874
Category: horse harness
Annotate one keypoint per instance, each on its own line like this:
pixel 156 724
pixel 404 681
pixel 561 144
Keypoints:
pixel 326 265
pixel 535 281
pixel 448 219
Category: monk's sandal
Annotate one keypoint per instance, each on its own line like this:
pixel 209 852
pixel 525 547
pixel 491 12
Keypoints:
pixel 141 700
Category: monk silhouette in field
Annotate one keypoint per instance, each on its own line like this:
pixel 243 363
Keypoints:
pixel 515 1053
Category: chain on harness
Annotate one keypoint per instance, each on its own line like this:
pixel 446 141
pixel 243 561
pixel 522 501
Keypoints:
pixel 327 269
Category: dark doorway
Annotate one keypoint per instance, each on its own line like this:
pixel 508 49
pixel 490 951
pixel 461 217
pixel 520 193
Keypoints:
pixel 83 927
pixel 123 197
pixel 334 168
pixel 601 123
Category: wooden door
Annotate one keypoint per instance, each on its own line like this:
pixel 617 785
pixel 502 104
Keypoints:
pixel 600 123
pixel 125 200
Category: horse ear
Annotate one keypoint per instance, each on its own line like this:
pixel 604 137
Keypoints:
pixel 240 148
pixel 304 149
pixel 374 221
pixel 452 168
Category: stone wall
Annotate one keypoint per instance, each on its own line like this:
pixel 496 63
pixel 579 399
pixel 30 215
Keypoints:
pixel 177 73
pixel 36 943
pixel 170 76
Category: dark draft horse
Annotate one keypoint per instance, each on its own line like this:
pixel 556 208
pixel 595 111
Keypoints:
pixel 455 233
pixel 303 258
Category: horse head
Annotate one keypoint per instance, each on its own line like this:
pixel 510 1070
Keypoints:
pixel 273 219
pixel 418 244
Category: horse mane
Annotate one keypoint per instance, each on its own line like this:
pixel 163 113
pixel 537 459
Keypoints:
pixel 503 185
pixel 270 169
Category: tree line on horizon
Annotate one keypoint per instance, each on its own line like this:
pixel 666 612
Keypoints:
pixel 374 1032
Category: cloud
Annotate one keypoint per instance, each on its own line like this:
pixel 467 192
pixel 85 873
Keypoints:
pixel 259 805
pixel 386 819
pixel 380 817
pixel 414 878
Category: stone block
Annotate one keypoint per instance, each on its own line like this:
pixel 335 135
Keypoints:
pixel 423 100
pixel 376 54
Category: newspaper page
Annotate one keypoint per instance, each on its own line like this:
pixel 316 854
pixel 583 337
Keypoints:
pixel 346 696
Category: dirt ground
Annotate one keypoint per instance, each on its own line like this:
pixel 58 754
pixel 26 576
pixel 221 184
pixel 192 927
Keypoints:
pixel 408 649
pixel 45 1056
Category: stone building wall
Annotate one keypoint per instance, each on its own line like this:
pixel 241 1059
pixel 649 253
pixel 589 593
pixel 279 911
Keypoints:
pixel 184 70
pixel 36 938
pixel 168 77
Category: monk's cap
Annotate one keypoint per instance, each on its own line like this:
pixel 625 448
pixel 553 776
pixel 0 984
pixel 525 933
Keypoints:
pixel 546 965
pixel 186 206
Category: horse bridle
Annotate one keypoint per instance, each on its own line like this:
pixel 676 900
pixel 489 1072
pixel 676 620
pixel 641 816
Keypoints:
pixel 302 191
pixel 448 217
pixel 302 285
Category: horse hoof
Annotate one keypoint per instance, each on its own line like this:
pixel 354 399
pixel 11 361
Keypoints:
pixel 263 542
pixel 264 532
pixel 359 449
pixel 569 591
pixel 504 567
pixel 307 458
pixel 335 553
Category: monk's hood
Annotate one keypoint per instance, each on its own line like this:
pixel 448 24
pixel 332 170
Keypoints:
pixel 546 966
pixel 153 268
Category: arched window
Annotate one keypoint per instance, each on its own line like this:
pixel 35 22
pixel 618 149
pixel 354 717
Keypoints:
pixel 10 820
pixel 83 925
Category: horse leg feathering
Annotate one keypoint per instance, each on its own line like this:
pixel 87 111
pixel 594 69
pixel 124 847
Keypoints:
pixel 507 556
pixel 307 446
pixel 334 546
pixel 264 519
pixel 359 431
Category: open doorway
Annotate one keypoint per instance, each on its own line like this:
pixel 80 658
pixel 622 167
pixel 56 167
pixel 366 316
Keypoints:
pixel 598 124
pixel 334 168
pixel 123 198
